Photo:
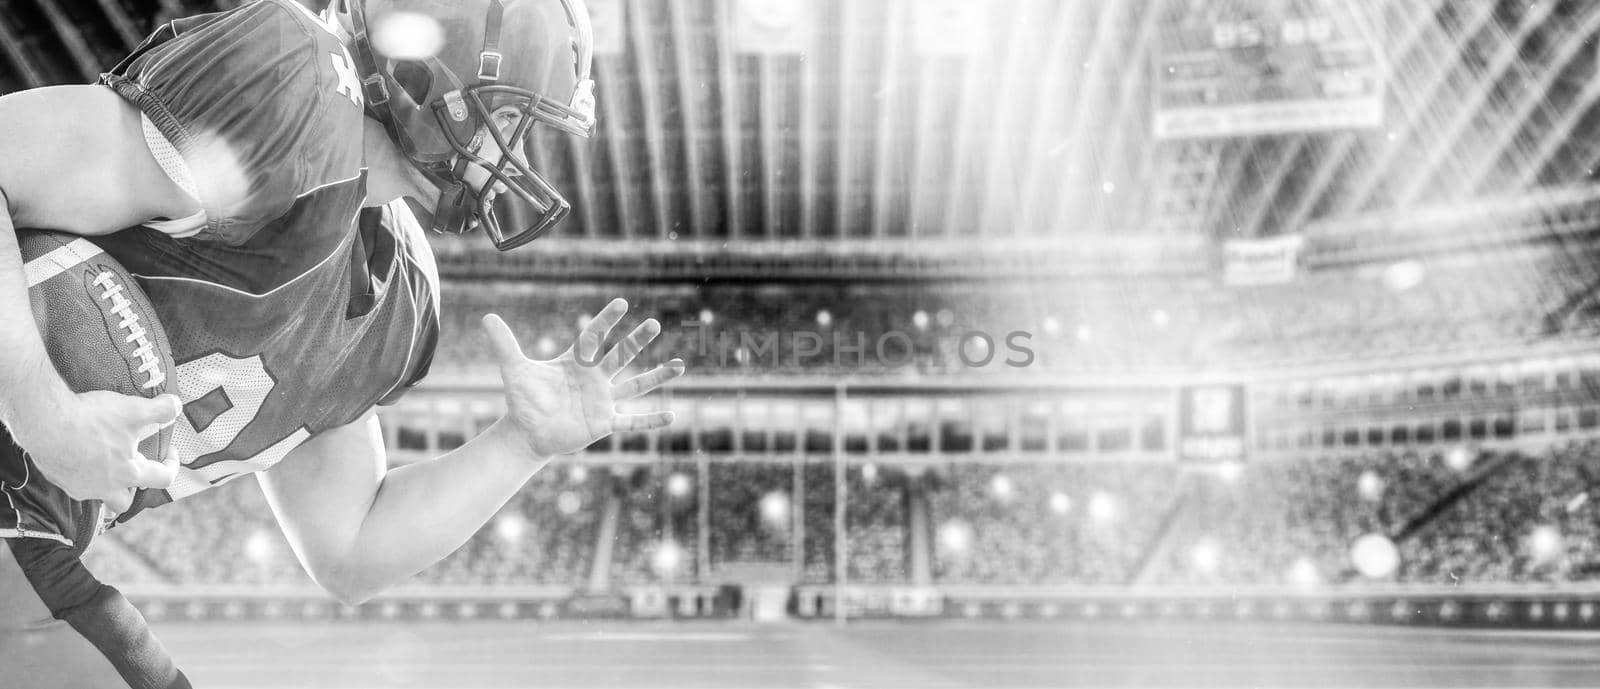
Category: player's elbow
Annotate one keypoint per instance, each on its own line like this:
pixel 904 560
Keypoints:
pixel 352 596
pixel 347 584
pixel 351 593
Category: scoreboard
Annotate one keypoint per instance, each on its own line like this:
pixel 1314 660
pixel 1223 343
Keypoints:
pixel 1252 67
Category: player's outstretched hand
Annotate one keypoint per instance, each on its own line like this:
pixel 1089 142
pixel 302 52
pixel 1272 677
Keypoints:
pixel 90 445
pixel 564 404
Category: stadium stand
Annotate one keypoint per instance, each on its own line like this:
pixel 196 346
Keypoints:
pixel 1272 523
pixel 1437 306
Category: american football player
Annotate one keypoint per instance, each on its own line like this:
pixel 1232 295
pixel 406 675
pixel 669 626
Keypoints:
pixel 248 166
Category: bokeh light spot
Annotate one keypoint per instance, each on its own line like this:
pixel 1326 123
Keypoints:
pixel 406 36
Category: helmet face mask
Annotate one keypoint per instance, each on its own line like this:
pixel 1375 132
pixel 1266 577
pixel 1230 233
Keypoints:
pixel 445 126
pixel 514 204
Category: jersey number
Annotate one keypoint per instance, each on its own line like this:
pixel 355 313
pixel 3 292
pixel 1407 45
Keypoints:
pixel 240 387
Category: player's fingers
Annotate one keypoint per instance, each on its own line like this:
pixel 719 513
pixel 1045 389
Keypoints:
pixel 158 411
pixel 501 340
pixel 647 381
pixel 623 354
pixel 119 502
pixel 632 423
pixel 599 328
pixel 169 455
pixel 148 474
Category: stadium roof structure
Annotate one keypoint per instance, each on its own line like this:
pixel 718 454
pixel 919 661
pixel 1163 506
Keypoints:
pixel 907 119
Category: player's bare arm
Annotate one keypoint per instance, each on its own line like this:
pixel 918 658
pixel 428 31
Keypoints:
pixel 74 159
pixel 358 529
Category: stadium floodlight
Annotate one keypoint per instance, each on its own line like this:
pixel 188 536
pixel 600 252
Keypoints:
pixel 1050 325
pixel 1304 573
pixel 1001 487
pixel 679 486
pixel 775 508
pixel 920 319
pixel 510 527
pixel 1545 544
pixel 955 537
pixel 1205 556
pixel 258 547
pixel 824 318
pixel 568 502
pixel 869 473
pixel 1370 486
pixel 975 348
pixel 577 473
pixel 1404 275
pixel 1102 507
pixel 666 559
pixel 407 36
pixel 1375 556
pixel 1459 458
pixel 545 346
pixel 1230 471
pixel 707 316
pixel 1060 503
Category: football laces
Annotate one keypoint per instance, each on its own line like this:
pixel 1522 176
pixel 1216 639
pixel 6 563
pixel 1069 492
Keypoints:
pixel 144 351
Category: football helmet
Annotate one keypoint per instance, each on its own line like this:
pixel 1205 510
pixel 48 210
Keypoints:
pixel 446 91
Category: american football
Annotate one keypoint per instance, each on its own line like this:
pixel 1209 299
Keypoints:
pixel 98 326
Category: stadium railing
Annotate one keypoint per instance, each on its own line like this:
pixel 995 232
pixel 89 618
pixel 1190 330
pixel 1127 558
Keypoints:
pixel 1520 606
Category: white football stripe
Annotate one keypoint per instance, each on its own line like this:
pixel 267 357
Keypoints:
pixel 30 533
pixel 59 260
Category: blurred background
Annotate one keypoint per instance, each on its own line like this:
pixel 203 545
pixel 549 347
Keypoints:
pixel 1160 311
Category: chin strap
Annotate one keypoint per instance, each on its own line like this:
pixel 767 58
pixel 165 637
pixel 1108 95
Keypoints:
pixel 490 58
pixel 459 206
pixel 454 213
pixel 373 85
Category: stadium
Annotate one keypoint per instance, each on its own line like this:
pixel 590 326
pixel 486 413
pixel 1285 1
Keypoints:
pixel 1168 343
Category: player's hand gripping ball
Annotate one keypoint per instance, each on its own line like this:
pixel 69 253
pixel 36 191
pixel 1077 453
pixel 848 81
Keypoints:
pixel 101 333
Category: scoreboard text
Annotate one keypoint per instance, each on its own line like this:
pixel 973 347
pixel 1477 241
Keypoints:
pixel 1251 67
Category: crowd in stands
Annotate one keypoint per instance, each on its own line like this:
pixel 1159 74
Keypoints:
pixel 1261 523
pixel 1264 526
pixel 544 536
pixel 1071 523
pixel 1143 324
pixel 223 536
pixel 1495 534
pixel 1523 518
pixel 877 523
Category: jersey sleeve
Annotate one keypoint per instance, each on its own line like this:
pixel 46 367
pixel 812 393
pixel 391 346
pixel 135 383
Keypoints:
pixel 262 103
